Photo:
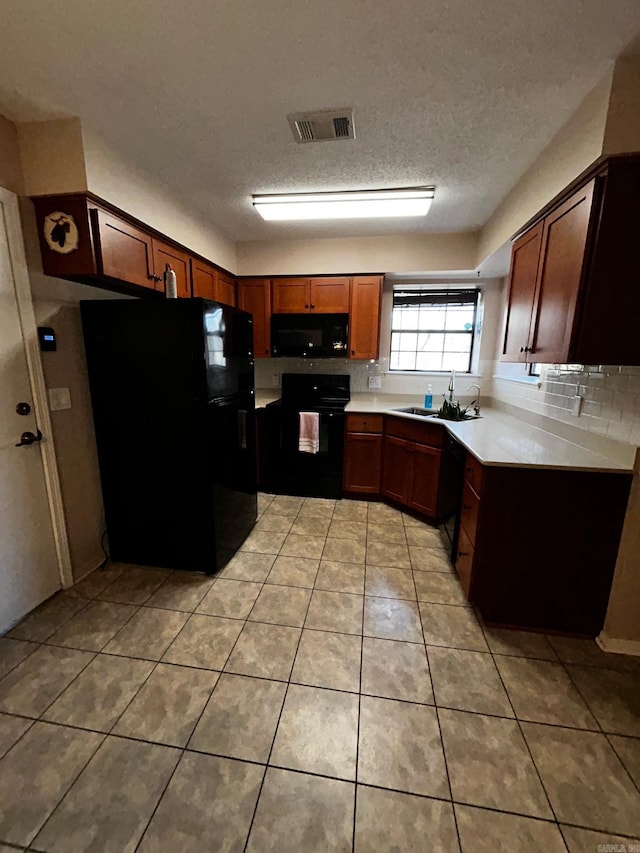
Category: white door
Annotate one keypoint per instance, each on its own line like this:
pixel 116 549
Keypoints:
pixel 29 560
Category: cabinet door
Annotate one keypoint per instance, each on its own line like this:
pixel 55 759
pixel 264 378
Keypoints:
pixel 397 469
pixel 464 562
pixel 560 273
pixel 225 289
pixel 254 297
pixel 164 254
pixel 125 251
pixel 525 255
pixel 330 295
pixel 203 279
pixel 290 295
pixel 362 463
pixel 364 320
pixel 423 496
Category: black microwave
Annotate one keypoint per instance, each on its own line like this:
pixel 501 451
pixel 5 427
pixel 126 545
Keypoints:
pixel 310 335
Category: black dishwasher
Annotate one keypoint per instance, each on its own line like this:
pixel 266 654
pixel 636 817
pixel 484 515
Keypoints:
pixel 451 480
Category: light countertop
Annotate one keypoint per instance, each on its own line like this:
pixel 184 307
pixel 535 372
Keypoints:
pixel 496 438
pixel 263 398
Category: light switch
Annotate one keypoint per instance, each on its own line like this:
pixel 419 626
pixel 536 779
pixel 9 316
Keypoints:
pixel 375 382
pixel 59 399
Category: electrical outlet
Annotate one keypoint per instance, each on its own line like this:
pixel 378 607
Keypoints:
pixel 275 380
pixel 59 399
pixel 375 382
pixel 576 405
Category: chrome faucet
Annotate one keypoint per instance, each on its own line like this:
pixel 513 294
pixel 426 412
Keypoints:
pixel 476 408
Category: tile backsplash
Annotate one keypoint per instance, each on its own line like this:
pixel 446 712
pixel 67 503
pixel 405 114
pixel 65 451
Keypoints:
pixel 360 371
pixel 611 398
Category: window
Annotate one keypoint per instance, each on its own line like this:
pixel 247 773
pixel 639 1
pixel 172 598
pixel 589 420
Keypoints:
pixel 433 330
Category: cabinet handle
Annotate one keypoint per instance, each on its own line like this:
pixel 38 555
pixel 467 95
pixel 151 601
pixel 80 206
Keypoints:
pixel 312 306
pixel 463 553
pixel 266 352
pixel 305 305
pixel 521 349
pixel 469 468
pixel 466 506
pixel 155 277
pixel 353 352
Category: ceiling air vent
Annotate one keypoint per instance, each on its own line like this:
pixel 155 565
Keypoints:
pixel 322 126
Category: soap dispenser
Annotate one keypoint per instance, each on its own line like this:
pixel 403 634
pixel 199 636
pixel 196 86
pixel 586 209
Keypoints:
pixel 428 397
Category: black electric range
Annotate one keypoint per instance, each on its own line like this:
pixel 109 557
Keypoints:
pixel 290 471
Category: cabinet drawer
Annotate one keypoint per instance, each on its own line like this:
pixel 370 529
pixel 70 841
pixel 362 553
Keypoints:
pixel 430 434
pixel 469 511
pixel 473 473
pixel 364 423
pixel 464 561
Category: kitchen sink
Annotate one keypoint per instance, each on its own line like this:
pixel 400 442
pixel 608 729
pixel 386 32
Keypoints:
pixel 428 413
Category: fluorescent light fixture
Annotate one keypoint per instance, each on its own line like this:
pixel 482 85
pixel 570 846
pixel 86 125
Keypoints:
pixel 365 204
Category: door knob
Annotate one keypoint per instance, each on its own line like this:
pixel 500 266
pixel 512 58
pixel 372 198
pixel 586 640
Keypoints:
pixel 29 438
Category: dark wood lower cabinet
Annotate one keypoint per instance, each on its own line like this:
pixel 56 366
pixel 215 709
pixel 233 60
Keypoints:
pixel 362 463
pixel 537 548
pixel 411 466
pixel 424 484
pixel 397 469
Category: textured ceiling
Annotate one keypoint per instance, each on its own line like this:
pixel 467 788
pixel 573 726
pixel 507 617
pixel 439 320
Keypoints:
pixel 455 94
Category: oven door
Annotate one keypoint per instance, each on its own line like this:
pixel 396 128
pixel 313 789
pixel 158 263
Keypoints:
pixel 310 474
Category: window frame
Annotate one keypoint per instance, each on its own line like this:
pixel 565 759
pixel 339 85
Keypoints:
pixel 443 291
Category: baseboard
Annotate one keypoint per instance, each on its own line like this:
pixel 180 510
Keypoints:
pixel 86 570
pixel 617 646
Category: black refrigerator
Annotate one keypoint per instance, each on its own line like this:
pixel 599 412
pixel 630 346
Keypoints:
pixel 172 390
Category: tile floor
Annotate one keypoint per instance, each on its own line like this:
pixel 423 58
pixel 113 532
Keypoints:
pixel 330 690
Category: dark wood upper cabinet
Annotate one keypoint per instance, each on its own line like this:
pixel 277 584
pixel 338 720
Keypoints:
pixel 563 257
pixel 585 255
pixel 364 319
pixel 164 254
pixel 203 279
pixel 210 283
pixel 548 267
pixel 329 295
pixel 225 289
pixel 521 294
pixel 254 296
pixel 290 295
pixel 124 251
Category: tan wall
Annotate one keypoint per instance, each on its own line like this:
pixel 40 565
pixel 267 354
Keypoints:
pixel 11 177
pixel 397 253
pixel 622 621
pixel 573 149
pixel 52 156
pixel 127 186
pixel 622 133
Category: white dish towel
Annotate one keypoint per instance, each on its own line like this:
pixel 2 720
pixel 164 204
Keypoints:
pixel 309 441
